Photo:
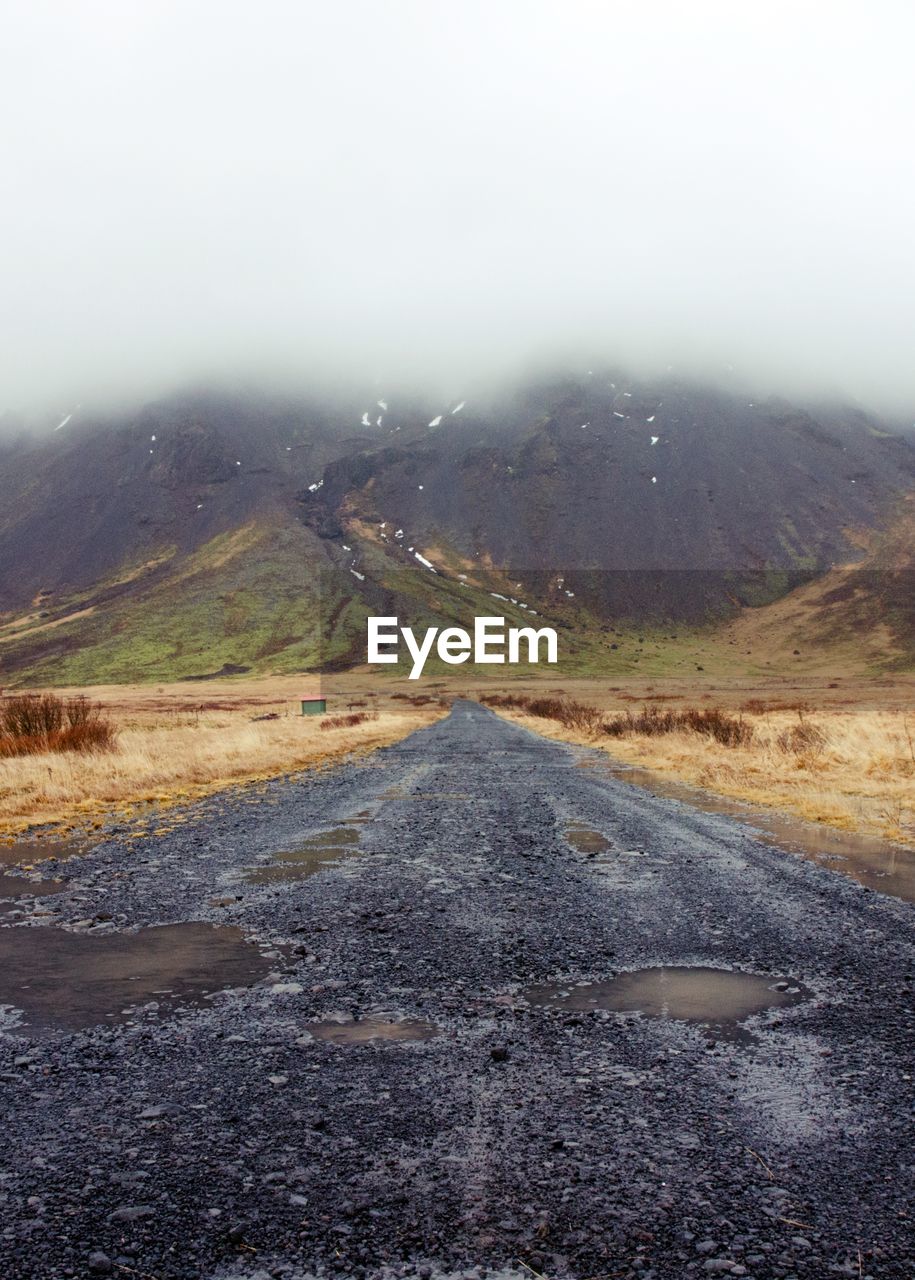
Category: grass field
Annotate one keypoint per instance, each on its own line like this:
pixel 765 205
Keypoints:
pixel 177 742
pixel 853 767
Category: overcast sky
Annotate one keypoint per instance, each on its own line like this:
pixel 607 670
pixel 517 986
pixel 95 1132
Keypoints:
pixel 447 189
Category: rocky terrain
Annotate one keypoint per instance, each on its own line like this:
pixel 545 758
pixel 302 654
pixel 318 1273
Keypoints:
pixel 385 1064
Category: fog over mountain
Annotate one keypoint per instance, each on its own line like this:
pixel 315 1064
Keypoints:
pixel 420 195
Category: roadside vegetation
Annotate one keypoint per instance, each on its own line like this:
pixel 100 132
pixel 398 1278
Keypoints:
pixel 840 754
pixel 650 722
pixel 144 749
pixel 838 750
pixel 348 722
pixel 38 724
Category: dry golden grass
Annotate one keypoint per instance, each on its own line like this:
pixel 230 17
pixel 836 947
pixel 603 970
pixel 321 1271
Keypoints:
pixel 860 777
pixel 181 741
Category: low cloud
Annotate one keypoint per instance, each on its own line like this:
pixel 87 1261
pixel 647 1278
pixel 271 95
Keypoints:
pixel 421 194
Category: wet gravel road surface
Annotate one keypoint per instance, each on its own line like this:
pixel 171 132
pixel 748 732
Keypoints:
pixel 231 1139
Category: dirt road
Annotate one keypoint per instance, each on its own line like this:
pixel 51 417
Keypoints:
pixel 482 1114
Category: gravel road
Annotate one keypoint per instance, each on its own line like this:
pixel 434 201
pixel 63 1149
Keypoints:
pixel 230 1139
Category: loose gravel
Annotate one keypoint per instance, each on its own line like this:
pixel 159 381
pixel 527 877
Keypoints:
pixel 225 1140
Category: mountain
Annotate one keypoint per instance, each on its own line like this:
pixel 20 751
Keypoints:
pixel 672 500
pixel 208 532
pixel 858 613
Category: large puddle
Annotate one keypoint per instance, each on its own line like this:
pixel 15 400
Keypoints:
pixel 314 854
pixel 58 979
pixel 353 1031
pixel 882 866
pixel 719 998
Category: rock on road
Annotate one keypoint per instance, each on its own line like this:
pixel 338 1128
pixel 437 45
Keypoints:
pixel 227 1141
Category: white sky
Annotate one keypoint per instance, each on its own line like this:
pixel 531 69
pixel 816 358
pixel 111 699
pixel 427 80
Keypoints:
pixel 432 190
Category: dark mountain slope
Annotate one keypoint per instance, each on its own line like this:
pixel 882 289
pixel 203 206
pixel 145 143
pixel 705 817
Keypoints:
pixel 725 486
pixel 86 503
pixel 258 531
pixel 859 612
pixel 676 500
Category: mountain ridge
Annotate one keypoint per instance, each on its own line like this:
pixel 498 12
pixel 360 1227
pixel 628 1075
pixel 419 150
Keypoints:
pixel 218 529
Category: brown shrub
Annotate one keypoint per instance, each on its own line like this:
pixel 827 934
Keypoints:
pixel 547 708
pixel 508 701
pixel 578 715
pixel 650 721
pixel 801 739
pixel 574 715
pixel 711 722
pixel 348 722
pixel 728 730
pixel 33 723
pixel 760 706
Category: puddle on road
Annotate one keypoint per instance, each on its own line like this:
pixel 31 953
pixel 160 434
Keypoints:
pixel 882 866
pixel 21 887
pixel 21 856
pixel 308 858
pixel 716 997
pixel 68 980
pixel 586 840
pixel 371 1030
pixel 30 852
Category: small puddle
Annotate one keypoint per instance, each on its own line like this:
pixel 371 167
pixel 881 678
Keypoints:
pixel 717 997
pixel 22 887
pixel 586 840
pixel 371 1030
pixel 308 858
pixel 884 867
pixel 29 852
pixel 68 980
